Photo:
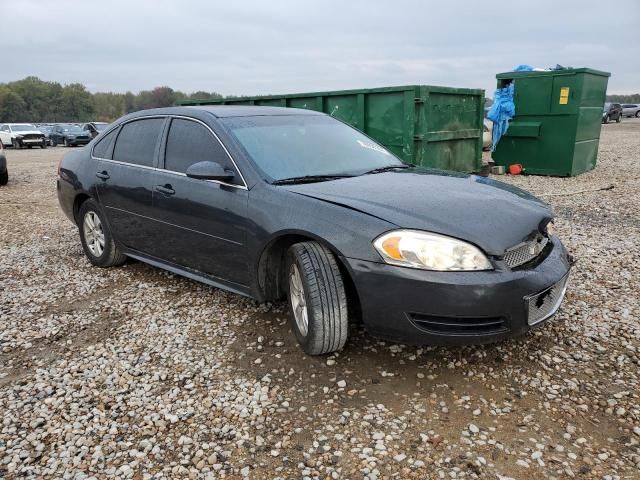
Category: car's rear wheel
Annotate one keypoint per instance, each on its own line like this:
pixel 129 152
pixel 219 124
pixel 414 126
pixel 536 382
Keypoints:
pixel 97 241
pixel 317 298
pixel 53 142
pixel 4 177
pixel 638 114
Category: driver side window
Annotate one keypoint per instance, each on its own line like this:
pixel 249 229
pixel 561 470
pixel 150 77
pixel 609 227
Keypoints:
pixel 190 142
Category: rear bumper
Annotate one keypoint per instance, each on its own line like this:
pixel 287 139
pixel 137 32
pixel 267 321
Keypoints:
pixel 457 308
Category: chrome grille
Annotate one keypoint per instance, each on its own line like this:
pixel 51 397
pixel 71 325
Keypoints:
pixel 544 304
pixel 525 252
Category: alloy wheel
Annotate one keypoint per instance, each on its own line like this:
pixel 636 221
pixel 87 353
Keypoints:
pixel 298 300
pixel 93 233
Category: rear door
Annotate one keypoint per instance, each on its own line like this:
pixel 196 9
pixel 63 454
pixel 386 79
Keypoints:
pixel 126 159
pixel 201 223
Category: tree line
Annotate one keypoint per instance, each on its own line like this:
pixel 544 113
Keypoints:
pixel 33 100
pixel 633 98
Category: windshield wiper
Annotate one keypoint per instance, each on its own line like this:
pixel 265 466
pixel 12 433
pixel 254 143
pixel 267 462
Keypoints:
pixel 308 179
pixel 388 168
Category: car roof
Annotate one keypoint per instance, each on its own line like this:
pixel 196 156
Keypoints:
pixel 223 111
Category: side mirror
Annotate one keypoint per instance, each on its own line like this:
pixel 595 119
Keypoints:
pixel 209 171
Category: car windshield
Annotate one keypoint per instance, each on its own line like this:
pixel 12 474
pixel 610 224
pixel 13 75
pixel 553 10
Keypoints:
pixel 291 146
pixel 72 129
pixel 100 126
pixel 23 128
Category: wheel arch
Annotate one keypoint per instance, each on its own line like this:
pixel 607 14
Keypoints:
pixel 77 203
pixel 270 267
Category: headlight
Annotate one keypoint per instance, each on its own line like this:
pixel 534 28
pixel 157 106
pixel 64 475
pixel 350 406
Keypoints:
pixel 430 251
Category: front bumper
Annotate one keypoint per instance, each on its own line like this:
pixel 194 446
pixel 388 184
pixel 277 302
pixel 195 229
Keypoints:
pixel 31 142
pixel 457 308
pixel 78 141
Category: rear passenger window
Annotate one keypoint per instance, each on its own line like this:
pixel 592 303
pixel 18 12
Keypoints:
pixel 103 147
pixel 137 140
pixel 191 142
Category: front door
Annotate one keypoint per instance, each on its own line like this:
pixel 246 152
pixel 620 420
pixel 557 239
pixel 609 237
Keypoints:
pixel 5 135
pixel 202 223
pixel 124 172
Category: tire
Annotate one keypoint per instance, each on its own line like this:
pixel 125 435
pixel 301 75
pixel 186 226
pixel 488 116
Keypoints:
pixel 619 119
pixel 44 145
pixel 109 255
pixel 66 142
pixel 605 119
pixel 4 177
pixel 318 293
pixel 16 145
pixel 638 114
pixel 53 143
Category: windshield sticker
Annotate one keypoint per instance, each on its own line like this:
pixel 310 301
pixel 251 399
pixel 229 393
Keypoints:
pixel 373 146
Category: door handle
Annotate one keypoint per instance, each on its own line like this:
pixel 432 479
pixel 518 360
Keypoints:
pixel 103 175
pixel 165 189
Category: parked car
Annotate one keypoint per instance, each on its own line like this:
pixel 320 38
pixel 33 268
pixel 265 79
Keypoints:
pixel 4 173
pixel 94 128
pixel 275 202
pixel 630 110
pixel 612 111
pixel 487 138
pixel 70 135
pixel 20 135
pixel 46 130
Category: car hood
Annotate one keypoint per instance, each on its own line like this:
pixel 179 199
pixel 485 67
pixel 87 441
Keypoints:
pixel 493 215
pixel 28 132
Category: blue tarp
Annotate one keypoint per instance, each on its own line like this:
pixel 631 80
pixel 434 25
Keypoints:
pixel 502 110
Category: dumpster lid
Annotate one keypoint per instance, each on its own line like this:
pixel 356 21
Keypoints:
pixel 566 71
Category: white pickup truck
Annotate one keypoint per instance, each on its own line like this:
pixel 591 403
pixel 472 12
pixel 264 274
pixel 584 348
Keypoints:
pixel 20 135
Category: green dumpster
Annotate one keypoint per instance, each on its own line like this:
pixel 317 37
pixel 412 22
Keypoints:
pixel 438 127
pixel 556 128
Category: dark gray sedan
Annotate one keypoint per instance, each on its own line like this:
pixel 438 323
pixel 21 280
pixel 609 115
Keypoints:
pixel 274 202
pixel 4 172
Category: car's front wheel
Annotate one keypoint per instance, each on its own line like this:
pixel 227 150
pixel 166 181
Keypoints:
pixel 66 142
pixel 16 144
pixel 97 241
pixel 317 298
pixel 619 119
pixel 638 114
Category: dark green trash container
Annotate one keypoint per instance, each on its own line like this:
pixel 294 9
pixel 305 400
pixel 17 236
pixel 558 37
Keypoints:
pixel 556 129
pixel 438 127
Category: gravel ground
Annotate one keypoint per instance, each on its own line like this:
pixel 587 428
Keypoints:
pixel 133 372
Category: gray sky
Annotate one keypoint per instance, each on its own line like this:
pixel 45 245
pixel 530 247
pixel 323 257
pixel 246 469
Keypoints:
pixel 261 47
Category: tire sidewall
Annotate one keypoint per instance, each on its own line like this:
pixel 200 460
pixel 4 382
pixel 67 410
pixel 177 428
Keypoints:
pixel 102 260
pixel 303 340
